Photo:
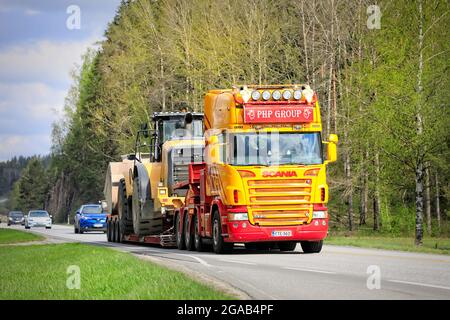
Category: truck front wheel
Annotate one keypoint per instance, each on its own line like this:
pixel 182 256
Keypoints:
pixel 219 245
pixel 311 246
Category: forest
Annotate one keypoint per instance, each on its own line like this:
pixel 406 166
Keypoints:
pixel 381 74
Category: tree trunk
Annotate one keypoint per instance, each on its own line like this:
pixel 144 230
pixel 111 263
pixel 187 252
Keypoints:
pixel 419 203
pixel 437 204
pixel 350 195
pixel 364 192
pixel 376 198
pixel 419 128
pixel 428 200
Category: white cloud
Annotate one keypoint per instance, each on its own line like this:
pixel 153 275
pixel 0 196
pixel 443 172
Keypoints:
pixel 29 102
pixel 49 60
pixel 26 145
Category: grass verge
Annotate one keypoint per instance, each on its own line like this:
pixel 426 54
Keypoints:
pixel 8 236
pixel 40 272
pixel 430 245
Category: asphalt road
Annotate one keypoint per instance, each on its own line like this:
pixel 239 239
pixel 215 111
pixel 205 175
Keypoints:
pixel 335 273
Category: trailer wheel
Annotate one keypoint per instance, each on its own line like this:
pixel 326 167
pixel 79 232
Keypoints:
pixel 311 246
pixel 179 235
pixel 198 242
pixel 188 234
pixel 108 230
pixel 115 230
pixel 287 245
pixel 219 245
pixel 119 232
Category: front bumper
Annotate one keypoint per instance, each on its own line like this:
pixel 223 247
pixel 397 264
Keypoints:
pixel 39 224
pixel 243 231
pixel 92 226
pixel 16 222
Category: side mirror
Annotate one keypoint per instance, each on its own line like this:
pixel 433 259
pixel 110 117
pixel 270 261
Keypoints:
pixel 332 148
pixel 131 157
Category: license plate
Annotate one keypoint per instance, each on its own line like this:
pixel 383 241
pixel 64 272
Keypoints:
pixel 286 233
pixel 98 225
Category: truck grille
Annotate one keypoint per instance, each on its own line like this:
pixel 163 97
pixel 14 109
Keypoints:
pixel 280 202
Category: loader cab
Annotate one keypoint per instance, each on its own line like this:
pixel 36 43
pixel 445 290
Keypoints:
pixel 174 126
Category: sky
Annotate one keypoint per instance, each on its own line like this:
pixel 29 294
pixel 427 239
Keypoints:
pixel 41 42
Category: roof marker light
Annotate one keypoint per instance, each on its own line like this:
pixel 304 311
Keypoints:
pixel 276 95
pixel 256 95
pixel 266 95
pixel 297 94
pixel 287 94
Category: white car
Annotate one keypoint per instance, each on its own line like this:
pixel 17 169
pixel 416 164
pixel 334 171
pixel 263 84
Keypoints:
pixel 38 218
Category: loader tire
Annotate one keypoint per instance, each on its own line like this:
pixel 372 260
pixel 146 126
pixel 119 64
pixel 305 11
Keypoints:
pixel 145 220
pixel 124 208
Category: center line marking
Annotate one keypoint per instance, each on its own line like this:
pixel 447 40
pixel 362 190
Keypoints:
pixel 310 270
pixel 420 284
pixel 240 262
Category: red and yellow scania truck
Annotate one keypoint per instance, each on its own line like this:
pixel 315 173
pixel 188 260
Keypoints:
pixel 263 182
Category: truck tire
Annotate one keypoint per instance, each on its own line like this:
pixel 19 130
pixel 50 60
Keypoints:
pixel 123 206
pixel 219 245
pixel 198 241
pixel 108 230
pixel 113 230
pixel 179 235
pixel 287 245
pixel 152 224
pixel 188 234
pixel 311 246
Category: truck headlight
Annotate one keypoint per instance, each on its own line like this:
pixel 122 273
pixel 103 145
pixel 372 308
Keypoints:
pixel 238 216
pixel 320 214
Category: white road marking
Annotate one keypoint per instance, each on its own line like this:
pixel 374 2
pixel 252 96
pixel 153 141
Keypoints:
pixel 420 284
pixel 309 270
pixel 203 262
pixel 239 262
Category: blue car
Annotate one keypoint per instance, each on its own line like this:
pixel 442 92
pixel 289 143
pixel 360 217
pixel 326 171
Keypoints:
pixel 90 217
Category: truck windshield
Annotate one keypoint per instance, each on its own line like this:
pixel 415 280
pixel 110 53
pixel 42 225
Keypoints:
pixel 269 149
pixel 171 129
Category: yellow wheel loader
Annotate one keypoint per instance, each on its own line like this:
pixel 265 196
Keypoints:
pixel 144 189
